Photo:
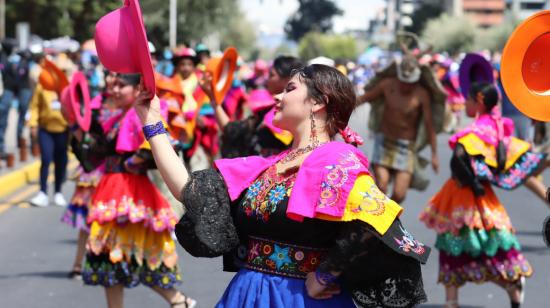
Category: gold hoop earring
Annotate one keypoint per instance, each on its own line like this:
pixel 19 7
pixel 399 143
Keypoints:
pixel 313 133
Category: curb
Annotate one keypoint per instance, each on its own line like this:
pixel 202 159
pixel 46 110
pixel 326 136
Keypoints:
pixel 30 173
pixel 16 179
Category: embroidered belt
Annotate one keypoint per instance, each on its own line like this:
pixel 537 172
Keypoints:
pixel 289 260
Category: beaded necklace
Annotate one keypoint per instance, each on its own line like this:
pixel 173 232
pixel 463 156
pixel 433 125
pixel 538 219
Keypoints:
pixel 293 154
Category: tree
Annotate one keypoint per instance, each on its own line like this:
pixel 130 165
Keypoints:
pixel 495 38
pixel 311 16
pixel 239 33
pixel 196 18
pixel 420 17
pixel 316 44
pixel 451 34
pixel 51 19
pixel 77 18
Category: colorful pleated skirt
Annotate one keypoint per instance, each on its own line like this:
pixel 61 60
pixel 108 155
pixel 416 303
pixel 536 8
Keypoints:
pixel 251 288
pixel 130 235
pixel 76 213
pixel 475 238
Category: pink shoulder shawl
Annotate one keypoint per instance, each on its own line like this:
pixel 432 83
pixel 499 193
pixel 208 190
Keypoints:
pixel 486 129
pixel 323 183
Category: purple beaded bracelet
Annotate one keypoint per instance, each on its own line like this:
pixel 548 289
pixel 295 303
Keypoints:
pixel 153 129
pixel 325 279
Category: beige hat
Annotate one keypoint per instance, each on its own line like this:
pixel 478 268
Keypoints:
pixel 408 70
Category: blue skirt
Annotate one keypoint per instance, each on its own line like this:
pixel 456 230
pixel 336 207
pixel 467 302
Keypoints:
pixel 255 289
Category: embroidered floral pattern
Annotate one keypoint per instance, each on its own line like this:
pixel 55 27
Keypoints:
pixel 282 259
pixel 455 207
pixel 475 242
pixel 98 270
pixel 505 266
pixel 374 201
pixel 470 217
pixel 128 210
pixel 337 175
pixel 524 167
pixel 407 243
pixel 266 193
pixel 280 256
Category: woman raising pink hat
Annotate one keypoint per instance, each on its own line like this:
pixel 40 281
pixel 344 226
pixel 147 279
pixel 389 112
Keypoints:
pixel 303 222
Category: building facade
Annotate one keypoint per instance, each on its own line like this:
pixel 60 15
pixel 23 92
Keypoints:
pixel 485 13
pixel 524 8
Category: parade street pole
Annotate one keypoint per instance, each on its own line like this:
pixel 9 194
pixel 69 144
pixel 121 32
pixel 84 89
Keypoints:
pixel 2 19
pixel 173 24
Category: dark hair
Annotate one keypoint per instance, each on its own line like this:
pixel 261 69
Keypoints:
pixel 490 99
pixel 131 79
pixel 327 85
pixel 489 93
pixel 177 59
pixel 203 52
pixel 284 65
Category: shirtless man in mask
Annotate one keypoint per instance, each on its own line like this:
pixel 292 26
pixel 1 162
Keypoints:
pixel 406 103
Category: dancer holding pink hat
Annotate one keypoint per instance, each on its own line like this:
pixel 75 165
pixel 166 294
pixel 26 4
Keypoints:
pixel 130 221
pixel 294 243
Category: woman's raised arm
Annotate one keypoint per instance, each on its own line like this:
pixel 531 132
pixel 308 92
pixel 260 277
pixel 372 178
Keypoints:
pixel 169 164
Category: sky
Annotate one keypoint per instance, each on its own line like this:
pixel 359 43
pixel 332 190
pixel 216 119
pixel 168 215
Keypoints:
pixel 271 15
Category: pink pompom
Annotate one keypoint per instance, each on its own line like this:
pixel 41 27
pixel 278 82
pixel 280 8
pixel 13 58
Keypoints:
pixel 351 137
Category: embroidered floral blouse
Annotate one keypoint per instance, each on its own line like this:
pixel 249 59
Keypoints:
pixel 474 161
pixel 370 263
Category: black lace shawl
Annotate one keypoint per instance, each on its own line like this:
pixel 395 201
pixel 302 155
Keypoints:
pixel 375 269
pixel 206 229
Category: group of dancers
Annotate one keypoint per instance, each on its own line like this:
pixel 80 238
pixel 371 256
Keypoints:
pixel 311 227
pixel 292 206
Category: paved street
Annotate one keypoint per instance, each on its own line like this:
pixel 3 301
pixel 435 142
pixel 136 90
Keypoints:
pixel 37 252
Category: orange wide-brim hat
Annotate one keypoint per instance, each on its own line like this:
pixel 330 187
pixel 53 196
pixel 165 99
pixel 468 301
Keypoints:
pixel 222 70
pixel 525 67
pixel 52 77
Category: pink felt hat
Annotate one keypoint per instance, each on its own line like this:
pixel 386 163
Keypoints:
pixel 260 65
pixel 67 108
pixel 184 53
pixel 80 100
pixel 122 44
pixel 260 99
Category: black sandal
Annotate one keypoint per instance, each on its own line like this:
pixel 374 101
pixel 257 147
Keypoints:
pixel 75 275
pixel 188 301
